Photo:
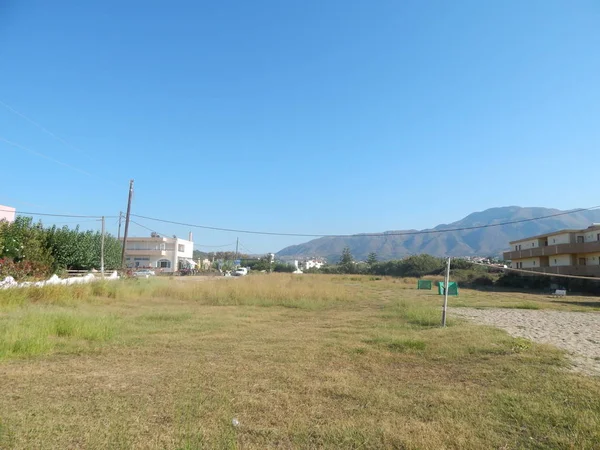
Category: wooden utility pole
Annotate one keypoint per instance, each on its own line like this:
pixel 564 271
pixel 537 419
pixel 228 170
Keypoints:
pixel 237 243
pixel 102 250
pixel 446 283
pixel 126 223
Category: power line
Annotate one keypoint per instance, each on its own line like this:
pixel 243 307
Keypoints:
pixel 214 246
pixel 44 129
pixel 149 229
pixel 42 155
pixel 532 272
pixel 55 215
pixel 250 252
pixel 399 233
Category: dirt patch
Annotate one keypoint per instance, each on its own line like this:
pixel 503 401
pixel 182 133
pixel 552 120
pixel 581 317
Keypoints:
pixel 577 333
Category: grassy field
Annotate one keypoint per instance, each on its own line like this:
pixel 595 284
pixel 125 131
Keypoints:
pixel 299 361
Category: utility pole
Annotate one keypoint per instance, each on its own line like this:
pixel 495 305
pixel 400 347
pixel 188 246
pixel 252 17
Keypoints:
pixel 120 217
pixel 237 244
pixel 102 250
pixel 126 223
pixel 446 283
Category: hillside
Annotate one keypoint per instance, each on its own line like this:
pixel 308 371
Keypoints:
pixel 481 242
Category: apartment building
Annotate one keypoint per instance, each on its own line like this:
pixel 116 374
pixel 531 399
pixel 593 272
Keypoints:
pixel 565 252
pixel 159 253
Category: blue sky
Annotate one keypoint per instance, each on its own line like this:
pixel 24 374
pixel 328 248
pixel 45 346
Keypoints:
pixel 298 116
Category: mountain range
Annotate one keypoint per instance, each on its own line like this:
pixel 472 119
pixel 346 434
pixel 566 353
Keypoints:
pixel 437 242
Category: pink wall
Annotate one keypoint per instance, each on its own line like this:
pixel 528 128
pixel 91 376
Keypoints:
pixel 7 213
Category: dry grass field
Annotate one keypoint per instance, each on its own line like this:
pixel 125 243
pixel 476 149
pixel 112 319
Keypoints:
pixel 298 361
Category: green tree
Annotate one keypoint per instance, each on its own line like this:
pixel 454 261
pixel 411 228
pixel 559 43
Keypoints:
pixel 372 259
pixel 347 264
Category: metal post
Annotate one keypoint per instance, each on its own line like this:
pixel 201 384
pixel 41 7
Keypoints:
pixel 446 282
pixel 102 250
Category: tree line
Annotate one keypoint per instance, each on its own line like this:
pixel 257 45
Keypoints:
pixel 412 266
pixel 28 249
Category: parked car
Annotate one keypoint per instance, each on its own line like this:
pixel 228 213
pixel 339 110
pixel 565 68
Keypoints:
pixel 240 272
pixel 143 273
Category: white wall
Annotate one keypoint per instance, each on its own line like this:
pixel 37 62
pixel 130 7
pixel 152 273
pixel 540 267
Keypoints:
pixel 561 260
pixel 527 263
pixel 532 243
pixel 592 236
pixel 188 251
pixel 591 259
pixel 564 238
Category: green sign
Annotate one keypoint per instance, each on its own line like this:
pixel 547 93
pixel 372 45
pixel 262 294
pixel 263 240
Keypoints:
pixel 452 288
pixel 424 284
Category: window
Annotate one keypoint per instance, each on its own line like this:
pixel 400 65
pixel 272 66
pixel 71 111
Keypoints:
pixel 580 239
pixel 534 262
pixel 554 241
pixel 598 237
pixel 163 264
pixel 181 248
pixel 516 248
pixel 555 261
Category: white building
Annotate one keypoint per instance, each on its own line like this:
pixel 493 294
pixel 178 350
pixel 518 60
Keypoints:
pixel 7 213
pixel 161 254
pixel 312 263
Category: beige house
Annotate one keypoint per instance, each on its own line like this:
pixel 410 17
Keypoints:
pixel 565 252
pixel 162 254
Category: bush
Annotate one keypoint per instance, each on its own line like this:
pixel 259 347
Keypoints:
pixel 23 269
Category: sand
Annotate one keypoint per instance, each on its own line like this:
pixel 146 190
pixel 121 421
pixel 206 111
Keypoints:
pixel 576 332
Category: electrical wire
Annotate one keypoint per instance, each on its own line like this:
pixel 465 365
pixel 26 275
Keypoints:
pixel 28 213
pixel 42 155
pixel 532 272
pixel 214 246
pixel 149 229
pixel 45 130
pixel 399 233
pixel 250 252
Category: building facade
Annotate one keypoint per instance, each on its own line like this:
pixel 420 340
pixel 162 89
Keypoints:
pixel 7 213
pixel 311 263
pixel 565 252
pixel 162 254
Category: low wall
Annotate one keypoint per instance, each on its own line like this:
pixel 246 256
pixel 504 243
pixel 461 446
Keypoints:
pixel 9 282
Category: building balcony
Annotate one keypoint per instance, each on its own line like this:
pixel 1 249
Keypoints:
pixel 549 250
pixel 145 252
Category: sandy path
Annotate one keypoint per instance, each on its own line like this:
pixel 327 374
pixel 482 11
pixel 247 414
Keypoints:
pixel 577 333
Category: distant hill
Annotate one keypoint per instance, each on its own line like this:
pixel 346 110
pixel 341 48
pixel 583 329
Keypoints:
pixel 480 242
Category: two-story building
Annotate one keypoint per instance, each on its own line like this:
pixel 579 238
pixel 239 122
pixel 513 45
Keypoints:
pixel 565 252
pixel 158 253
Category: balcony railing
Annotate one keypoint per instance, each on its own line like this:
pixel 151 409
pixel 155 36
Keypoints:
pixel 583 271
pixel 142 252
pixel 550 250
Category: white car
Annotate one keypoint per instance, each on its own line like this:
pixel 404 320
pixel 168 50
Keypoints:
pixel 240 272
pixel 143 273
